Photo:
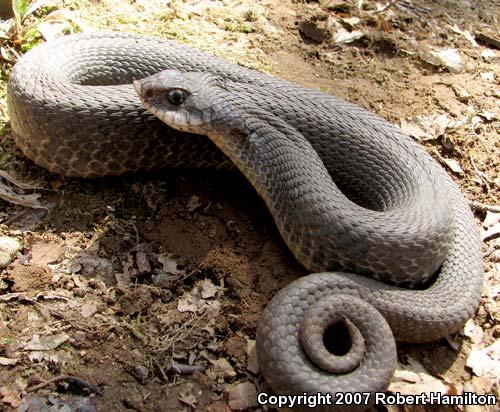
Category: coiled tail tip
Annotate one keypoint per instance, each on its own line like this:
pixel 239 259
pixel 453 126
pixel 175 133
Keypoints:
pixel 331 345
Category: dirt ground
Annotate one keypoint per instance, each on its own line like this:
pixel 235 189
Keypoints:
pixel 148 289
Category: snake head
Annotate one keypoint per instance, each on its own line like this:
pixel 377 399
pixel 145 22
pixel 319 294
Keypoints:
pixel 181 100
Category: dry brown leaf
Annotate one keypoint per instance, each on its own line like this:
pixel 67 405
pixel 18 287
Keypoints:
pixel 7 297
pixel 59 15
pixel 488 76
pixel 4 53
pixel 221 368
pixel 485 362
pixel 31 200
pixel 473 332
pixel 188 398
pixel 10 397
pixel 195 304
pixel 16 182
pixel 10 195
pixel 413 379
pixel 8 361
pixel 208 289
pixel 169 264
pixel 187 304
pixel 351 21
pixel 44 252
pixel 453 165
pixel 90 265
pixel 59 358
pixel 430 127
pixel 43 343
pixel 88 309
pixel 53 295
pixel 142 262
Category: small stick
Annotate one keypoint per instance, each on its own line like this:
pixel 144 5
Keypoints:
pixel 70 379
pixel 162 371
pixel 183 368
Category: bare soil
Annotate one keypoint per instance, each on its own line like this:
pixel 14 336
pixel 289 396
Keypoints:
pixel 120 277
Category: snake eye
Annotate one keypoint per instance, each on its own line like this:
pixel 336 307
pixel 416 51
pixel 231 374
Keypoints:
pixel 176 96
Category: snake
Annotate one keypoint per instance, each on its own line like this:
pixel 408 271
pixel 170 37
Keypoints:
pixel 388 236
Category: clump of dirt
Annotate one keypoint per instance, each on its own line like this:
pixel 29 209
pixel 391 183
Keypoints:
pixel 147 289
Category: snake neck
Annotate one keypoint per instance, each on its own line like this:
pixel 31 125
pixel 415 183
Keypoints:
pixel 316 220
pixel 322 227
pixel 267 150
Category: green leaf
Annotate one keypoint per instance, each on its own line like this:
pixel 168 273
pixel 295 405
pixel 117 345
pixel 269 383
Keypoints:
pixel 19 8
pixel 23 8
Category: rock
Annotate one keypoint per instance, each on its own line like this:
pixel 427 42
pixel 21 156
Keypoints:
pixel 489 55
pixel 242 396
pixel 448 58
pixel 140 372
pixel 8 248
pixel 462 94
pixel 94 266
pixel 343 36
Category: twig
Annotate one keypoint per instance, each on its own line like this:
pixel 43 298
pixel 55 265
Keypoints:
pixel 184 369
pixel 405 5
pixel 481 207
pixel 70 379
pixel 160 368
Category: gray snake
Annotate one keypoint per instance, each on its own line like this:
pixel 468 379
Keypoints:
pixel 348 192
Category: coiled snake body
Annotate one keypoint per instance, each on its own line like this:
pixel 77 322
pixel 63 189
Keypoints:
pixel 347 190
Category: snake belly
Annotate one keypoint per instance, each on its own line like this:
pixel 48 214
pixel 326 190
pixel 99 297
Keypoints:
pixel 350 194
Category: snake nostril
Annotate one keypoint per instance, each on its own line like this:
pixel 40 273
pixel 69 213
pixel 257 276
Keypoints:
pixel 337 339
pixel 149 93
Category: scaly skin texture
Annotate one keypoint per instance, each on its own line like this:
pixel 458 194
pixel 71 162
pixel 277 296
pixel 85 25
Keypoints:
pixel 346 189
pixel 277 156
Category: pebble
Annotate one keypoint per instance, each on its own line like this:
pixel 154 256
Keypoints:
pixel 141 373
pixel 9 246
